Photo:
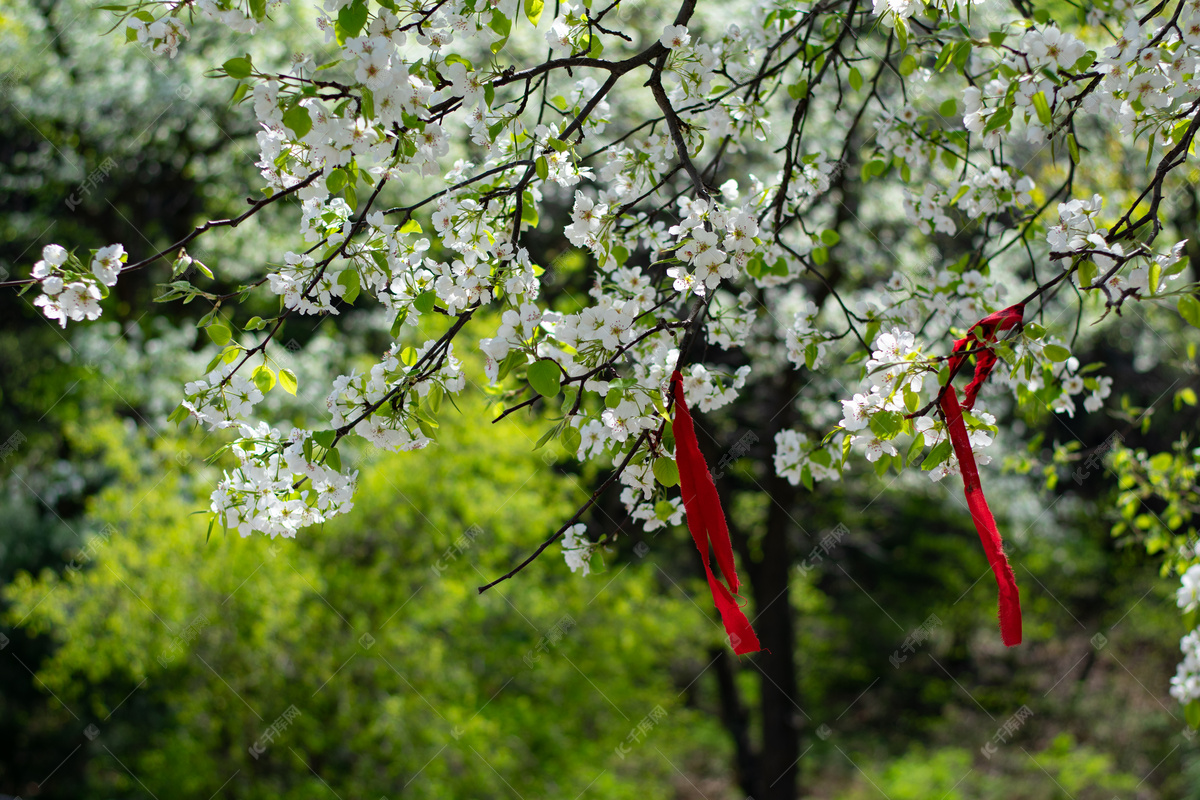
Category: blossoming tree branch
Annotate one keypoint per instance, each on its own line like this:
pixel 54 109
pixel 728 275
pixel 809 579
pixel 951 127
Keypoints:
pixel 771 194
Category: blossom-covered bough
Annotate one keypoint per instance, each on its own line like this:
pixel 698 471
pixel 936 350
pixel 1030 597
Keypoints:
pixel 735 189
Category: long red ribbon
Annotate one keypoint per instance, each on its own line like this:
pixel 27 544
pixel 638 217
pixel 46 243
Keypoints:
pixel 706 521
pixel 981 515
pixel 985 524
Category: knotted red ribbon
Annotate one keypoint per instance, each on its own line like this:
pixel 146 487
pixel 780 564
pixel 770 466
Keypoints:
pixel 706 521
pixel 985 524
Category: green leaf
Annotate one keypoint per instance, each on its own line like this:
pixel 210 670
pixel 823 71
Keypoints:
pixel 238 68
pixel 998 120
pixel 349 279
pixel 666 471
pixel 547 436
pixel 398 323
pixel 287 380
pixel 412 226
pixel 545 377
pixel 806 476
pixel 914 449
pixel 1042 108
pixel 542 168
pixel 944 57
pixel 798 90
pixel 939 453
pixel 350 20
pixel 219 334
pixel 258 8
pixel 571 440
pixel 1192 712
pixel 368 103
pixel 855 79
pixel 1087 273
pixel 908 65
pixel 239 93
pixel 298 119
pixel 503 26
pixel 912 400
pixel 333 459
pixel 336 180
pixel 324 438
pixel 949 108
pixel 425 301
pixel 1189 309
pixel 529 212
pixel 1073 147
pixel 1056 353
pixel 533 11
pixel 886 424
pixel 830 237
pixel 263 378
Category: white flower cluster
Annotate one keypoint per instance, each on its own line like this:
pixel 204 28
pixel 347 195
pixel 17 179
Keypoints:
pixel 795 455
pixel 221 398
pixel 394 388
pixel 889 373
pixel 1079 232
pixel 70 292
pixel 895 377
pixel 577 550
pixel 1185 686
pixel 702 246
pixel 406 98
pixel 895 12
pixel 806 343
pixel 1076 225
pixel 1075 384
pixel 1148 73
pixel 729 323
pixel 162 36
pixel 981 194
pixel 278 487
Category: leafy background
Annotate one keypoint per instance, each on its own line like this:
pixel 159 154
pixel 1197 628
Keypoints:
pixel 141 657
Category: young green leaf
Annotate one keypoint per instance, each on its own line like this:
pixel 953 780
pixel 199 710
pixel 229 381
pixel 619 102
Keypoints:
pixel 545 377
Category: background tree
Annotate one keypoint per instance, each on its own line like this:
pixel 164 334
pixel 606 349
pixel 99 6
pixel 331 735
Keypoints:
pixel 852 119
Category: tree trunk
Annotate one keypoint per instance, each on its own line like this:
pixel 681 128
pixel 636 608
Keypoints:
pixel 736 721
pixel 774 624
pixel 771 614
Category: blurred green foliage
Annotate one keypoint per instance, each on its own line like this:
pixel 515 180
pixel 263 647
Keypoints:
pixel 117 613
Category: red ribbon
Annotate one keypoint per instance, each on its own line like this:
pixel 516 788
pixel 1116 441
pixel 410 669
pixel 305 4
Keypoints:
pixel 985 524
pixel 706 521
